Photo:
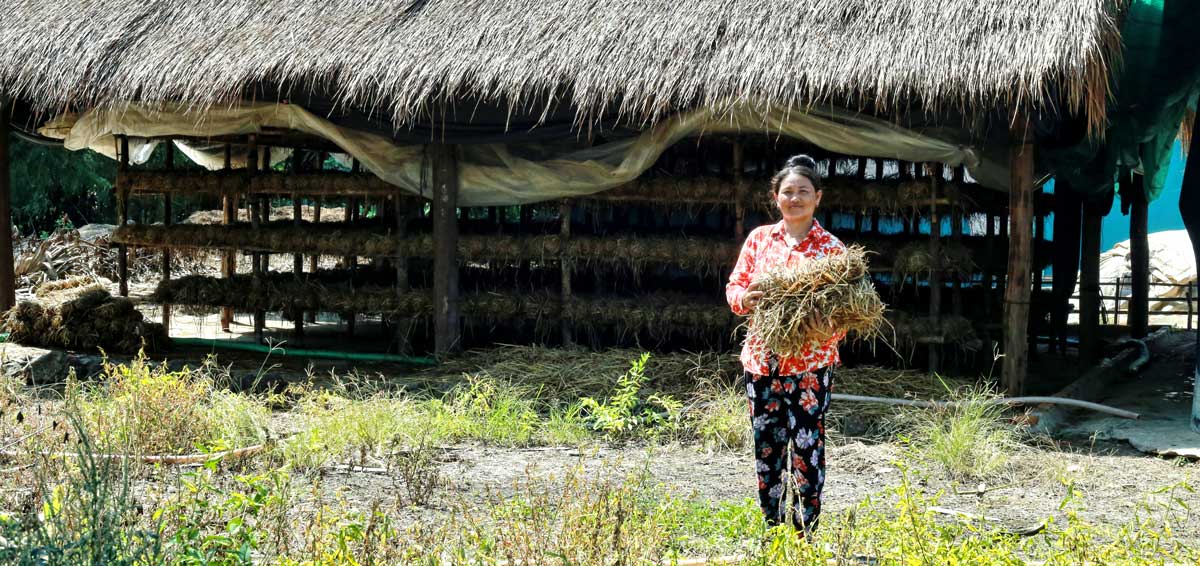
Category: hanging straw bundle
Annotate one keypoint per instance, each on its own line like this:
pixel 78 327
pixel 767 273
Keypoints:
pixel 800 305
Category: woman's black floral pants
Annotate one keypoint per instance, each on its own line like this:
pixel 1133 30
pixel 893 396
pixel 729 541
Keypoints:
pixel 788 416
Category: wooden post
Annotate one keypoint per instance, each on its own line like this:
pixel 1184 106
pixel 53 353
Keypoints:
pixel 228 258
pixel 935 272
pixel 122 215
pixel 8 280
pixel 739 191
pixel 1189 209
pixel 169 164
pixel 260 316
pixel 564 235
pixel 1139 256
pixel 1068 228
pixel 956 221
pixel 404 330
pixel 875 211
pixel 989 247
pixel 444 175
pixel 351 262
pixel 1020 256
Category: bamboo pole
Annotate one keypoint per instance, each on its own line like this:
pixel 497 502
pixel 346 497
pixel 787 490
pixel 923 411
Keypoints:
pixel 229 258
pixel 445 180
pixel 1139 256
pixel 8 280
pixel 1020 258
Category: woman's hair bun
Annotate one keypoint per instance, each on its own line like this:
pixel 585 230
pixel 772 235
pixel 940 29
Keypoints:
pixel 801 160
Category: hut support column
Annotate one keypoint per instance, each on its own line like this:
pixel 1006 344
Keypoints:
pixel 1139 256
pixel 956 221
pixel 167 221
pixel 123 215
pixel 8 282
pixel 351 261
pixel 256 212
pixel 297 260
pixel 1189 208
pixel 444 164
pixel 318 202
pixel 1089 285
pixel 1020 257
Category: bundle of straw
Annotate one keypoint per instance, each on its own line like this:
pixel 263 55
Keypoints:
pixel 808 303
pixel 82 317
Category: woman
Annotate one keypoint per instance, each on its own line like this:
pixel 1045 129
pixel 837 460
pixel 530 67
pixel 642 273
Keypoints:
pixel 788 395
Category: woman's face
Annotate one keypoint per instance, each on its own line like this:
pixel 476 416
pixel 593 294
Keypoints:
pixel 797 199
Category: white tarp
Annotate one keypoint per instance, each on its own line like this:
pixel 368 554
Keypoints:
pixel 1171 262
pixel 497 174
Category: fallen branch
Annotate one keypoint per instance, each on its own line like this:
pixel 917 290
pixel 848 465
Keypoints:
pixel 164 459
pixel 998 401
pixel 1026 532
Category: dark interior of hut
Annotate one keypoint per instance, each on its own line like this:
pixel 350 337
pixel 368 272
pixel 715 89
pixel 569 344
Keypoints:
pixel 642 264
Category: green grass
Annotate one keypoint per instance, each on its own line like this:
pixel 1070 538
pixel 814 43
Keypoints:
pixel 144 408
pixel 969 439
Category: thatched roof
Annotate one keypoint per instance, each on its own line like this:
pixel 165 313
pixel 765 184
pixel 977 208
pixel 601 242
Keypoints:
pixel 641 59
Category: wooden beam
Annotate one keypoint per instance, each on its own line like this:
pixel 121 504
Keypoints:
pixel 445 179
pixel 8 280
pixel 1020 256
pixel 122 217
pixel 1139 257
pixel 1089 284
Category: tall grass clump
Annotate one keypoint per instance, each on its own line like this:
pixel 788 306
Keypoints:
pixel 146 408
pixel 719 417
pixel 968 438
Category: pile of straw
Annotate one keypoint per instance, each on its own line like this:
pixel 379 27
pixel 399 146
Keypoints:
pixel 915 259
pixel 80 315
pixel 800 305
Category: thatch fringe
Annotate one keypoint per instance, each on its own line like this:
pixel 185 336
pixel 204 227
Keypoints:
pixel 637 60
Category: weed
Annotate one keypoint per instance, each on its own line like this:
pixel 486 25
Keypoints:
pixel 417 472
pixel 720 417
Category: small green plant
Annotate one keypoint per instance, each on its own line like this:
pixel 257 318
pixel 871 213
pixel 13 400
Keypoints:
pixel 625 414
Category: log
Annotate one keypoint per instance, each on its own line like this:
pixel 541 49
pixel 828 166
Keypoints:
pixel 1020 257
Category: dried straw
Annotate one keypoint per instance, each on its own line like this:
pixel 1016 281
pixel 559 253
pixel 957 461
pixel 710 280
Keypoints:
pixel 83 317
pixel 800 304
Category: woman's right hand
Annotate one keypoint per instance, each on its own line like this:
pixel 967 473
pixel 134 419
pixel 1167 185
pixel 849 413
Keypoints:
pixel 752 297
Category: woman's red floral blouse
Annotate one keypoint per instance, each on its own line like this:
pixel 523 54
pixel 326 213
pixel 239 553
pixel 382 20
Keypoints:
pixel 766 248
